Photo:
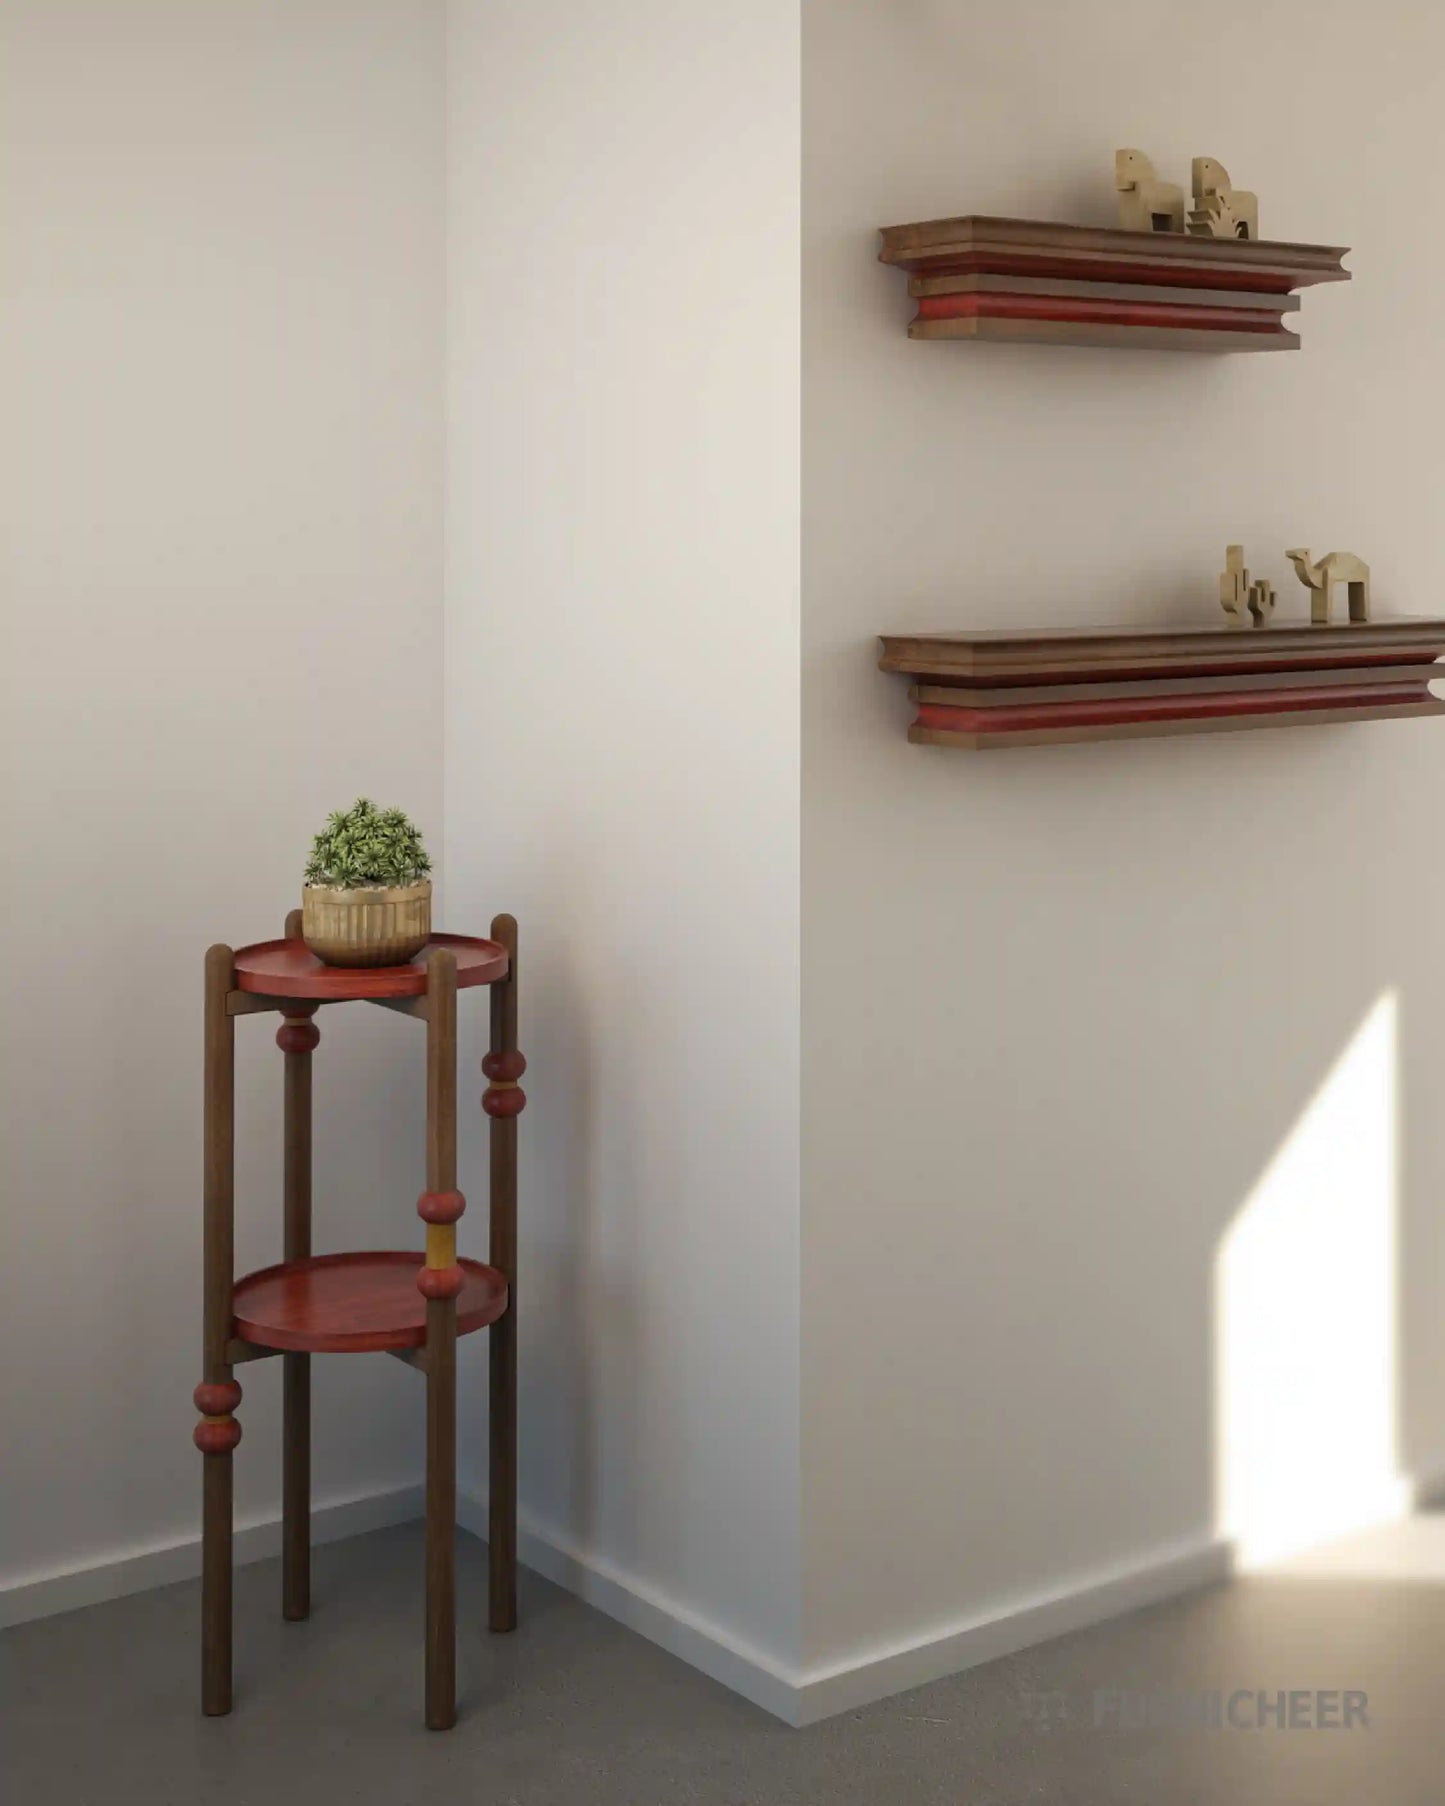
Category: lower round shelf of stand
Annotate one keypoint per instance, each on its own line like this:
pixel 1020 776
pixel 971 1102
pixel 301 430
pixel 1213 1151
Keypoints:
pixel 355 1303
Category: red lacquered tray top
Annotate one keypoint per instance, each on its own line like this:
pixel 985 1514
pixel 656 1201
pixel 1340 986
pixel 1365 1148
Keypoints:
pixel 349 1303
pixel 290 969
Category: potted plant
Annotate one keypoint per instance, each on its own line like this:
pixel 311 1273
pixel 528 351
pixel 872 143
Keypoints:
pixel 367 897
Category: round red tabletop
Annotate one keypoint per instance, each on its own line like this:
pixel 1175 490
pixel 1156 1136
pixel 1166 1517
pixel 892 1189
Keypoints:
pixel 350 1303
pixel 291 969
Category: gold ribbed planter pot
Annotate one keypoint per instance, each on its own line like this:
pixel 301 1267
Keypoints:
pixel 374 925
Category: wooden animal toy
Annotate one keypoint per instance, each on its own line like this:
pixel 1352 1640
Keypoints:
pixel 1320 579
pixel 1220 210
pixel 1145 203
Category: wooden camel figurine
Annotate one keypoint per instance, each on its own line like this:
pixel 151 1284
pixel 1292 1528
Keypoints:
pixel 1220 210
pixel 1145 203
pixel 1320 579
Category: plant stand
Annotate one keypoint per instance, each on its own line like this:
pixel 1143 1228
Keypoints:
pixel 413 1306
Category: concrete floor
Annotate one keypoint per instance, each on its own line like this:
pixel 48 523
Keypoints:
pixel 97 1708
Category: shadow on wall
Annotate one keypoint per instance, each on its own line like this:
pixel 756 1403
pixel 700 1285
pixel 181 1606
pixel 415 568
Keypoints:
pixel 582 1328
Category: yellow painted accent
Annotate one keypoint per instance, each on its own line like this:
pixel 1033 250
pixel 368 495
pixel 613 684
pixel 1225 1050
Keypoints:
pixel 441 1244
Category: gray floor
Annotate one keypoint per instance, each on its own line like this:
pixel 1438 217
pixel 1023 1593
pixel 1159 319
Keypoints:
pixel 99 1706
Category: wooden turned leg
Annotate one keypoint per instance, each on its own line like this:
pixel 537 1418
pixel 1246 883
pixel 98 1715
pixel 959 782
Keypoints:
pixel 439 1282
pixel 218 1395
pixel 503 1101
pixel 441 1513
pixel 296 1487
pixel 297 1038
pixel 216 1586
pixel 216 1435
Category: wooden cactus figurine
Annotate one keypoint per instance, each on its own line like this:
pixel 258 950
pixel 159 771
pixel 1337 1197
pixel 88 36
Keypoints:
pixel 1145 203
pixel 1234 585
pixel 1320 579
pixel 1261 601
pixel 1240 599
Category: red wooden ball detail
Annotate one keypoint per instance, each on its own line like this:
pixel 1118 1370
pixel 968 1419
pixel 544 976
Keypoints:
pixel 297 1037
pixel 440 1206
pixel 216 1435
pixel 507 1066
pixel 440 1282
pixel 504 1100
pixel 217 1398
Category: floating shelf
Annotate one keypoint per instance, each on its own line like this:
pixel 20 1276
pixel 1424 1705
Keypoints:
pixel 1005 688
pixel 1036 281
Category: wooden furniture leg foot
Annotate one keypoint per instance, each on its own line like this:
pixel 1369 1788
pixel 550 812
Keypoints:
pixel 216 1587
pixel 502 1481
pixel 216 1436
pixel 441 1514
pixel 503 1101
pixel 296 1487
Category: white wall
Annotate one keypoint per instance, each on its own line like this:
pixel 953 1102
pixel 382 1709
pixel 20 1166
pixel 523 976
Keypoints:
pixel 1062 1006
pixel 622 752
pixel 220 413
pixel 1064 1012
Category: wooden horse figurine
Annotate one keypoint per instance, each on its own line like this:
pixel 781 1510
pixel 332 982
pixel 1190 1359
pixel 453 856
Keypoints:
pixel 1320 579
pixel 1145 203
pixel 1221 211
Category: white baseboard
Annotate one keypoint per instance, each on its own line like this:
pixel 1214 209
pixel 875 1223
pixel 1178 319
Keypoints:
pixel 803 1697
pixel 158 1564
pixel 641 1608
pixel 1014 1625
pixel 798 1697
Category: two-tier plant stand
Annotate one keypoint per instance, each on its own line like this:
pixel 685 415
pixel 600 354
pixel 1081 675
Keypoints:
pixel 411 1305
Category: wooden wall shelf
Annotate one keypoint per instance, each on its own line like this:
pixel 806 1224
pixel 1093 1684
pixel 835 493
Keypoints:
pixel 1006 688
pixel 1036 281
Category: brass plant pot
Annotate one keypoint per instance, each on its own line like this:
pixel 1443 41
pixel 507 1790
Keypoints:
pixel 374 925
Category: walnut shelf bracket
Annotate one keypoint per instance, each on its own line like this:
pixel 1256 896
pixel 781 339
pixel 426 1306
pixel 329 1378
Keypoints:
pixel 993 689
pixel 1035 281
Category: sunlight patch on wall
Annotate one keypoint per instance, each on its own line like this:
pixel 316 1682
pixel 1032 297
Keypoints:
pixel 1305 1320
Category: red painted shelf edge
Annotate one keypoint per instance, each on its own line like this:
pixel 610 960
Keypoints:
pixel 287 968
pixel 1000 688
pixel 938 243
pixel 1143 730
pixel 336 1322
pixel 1059 261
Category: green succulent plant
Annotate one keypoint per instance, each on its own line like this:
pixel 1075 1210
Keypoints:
pixel 366 845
